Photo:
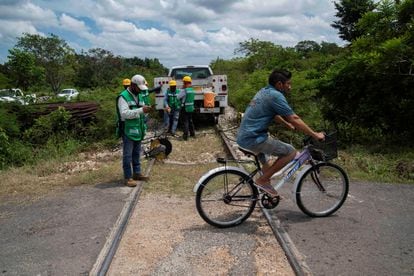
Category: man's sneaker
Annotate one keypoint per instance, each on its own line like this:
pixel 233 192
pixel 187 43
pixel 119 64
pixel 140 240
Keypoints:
pixel 138 176
pixel 130 182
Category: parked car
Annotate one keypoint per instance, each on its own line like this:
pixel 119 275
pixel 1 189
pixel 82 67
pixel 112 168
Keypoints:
pixel 16 95
pixel 68 94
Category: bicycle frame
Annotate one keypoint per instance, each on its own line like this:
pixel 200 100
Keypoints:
pixel 294 165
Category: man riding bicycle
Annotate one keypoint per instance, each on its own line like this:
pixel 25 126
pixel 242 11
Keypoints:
pixel 267 106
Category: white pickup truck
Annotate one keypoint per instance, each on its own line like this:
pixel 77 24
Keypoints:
pixel 205 84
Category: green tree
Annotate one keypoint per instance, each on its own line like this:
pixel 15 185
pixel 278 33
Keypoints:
pixel 265 55
pixel 53 54
pixel 328 48
pixel 307 46
pixel 22 68
pixel 4 80
pixel 97 67
pixel 349 12
pixel 372 87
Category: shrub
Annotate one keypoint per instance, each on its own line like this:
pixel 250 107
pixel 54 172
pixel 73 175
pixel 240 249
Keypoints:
pixel 53 124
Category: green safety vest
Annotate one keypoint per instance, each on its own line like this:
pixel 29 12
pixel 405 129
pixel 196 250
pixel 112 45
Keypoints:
pixel 135 128
pixel 144 97
pixel 173 101
pixel 189 99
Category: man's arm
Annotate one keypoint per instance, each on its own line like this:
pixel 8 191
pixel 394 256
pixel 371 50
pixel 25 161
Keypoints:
pixel 299 124
pixel 155 89
pixel 166 99
pixel 127 113
pixel 181 95
pixel 279 119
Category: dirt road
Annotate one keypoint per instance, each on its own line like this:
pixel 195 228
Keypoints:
pixel 166 236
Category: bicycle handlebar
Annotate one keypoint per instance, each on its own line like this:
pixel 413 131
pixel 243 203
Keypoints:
pixel 308 140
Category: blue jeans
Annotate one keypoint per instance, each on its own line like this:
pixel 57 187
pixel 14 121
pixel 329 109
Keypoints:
pixel 171 120
pixel 131 155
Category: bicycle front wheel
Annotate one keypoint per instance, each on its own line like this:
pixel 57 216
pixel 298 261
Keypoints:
pixel 226 198
pixel 322 190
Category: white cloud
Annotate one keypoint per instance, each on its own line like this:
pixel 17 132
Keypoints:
pixel 79 27
pixel 226 37
pixel 27 11
pixel 11 30
pixel 175 31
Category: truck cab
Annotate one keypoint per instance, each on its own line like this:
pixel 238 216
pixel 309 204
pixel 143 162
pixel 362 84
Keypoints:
pixel 210 90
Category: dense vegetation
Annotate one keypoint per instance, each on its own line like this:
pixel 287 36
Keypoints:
pixel 364 89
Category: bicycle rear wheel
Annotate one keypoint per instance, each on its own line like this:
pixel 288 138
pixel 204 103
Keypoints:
pixel 322 190
pixel 226 198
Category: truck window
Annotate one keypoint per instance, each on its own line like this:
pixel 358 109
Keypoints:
pixel 194 73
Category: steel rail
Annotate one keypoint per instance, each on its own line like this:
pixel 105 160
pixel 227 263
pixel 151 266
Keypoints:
pixel 295 258
pixel 105 257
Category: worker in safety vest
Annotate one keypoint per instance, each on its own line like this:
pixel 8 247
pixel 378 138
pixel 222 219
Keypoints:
pixel 131 110
pixel 126 83
pixel 186 96
pixel 172 107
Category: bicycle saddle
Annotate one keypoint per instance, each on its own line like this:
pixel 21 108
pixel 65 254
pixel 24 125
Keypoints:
pixel 247 152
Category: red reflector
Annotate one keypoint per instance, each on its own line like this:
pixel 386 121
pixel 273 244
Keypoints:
pixel 214 80
pixel 224 87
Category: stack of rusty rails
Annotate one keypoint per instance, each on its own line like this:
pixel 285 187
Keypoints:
pixel 80 111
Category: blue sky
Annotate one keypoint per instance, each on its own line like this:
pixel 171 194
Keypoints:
pixel 174 31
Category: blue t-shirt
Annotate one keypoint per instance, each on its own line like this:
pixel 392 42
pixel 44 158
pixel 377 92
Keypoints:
pixel 260 113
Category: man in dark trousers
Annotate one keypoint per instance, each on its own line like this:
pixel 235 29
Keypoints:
pixel 186 96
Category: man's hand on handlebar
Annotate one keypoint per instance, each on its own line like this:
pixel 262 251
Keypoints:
pixel 320 136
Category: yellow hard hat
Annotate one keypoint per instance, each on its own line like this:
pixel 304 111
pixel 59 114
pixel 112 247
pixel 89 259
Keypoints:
pixel 126 82
pixel 172 83
pixel 187 79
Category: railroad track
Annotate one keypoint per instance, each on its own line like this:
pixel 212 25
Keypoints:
pixel 227 132
pixel 296 260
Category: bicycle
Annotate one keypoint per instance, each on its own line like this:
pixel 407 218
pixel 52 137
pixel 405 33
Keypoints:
pixel 159 145
pixel 226 196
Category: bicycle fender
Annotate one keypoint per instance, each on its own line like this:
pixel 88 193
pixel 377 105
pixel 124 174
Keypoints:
pixel 301 172
pixel 213 171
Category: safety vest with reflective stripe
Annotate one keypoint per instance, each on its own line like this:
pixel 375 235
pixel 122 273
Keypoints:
pixel 189 99
pixel 144 96
pixel 135 128
pixel 173 101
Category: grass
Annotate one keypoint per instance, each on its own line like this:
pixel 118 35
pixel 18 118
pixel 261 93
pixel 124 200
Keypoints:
pixel 363 165
pixel 188 161
pixel 34 182
pixel 90 168
pixel 177 180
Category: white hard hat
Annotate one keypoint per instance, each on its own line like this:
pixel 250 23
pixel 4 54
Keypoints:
pixel 140 82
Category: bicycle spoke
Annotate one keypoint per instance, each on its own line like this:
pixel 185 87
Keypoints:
pixel 322 190
pixel 226 198
pixel 316 180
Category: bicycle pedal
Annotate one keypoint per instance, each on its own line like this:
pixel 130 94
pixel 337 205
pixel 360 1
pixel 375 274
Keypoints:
pixel 270 202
